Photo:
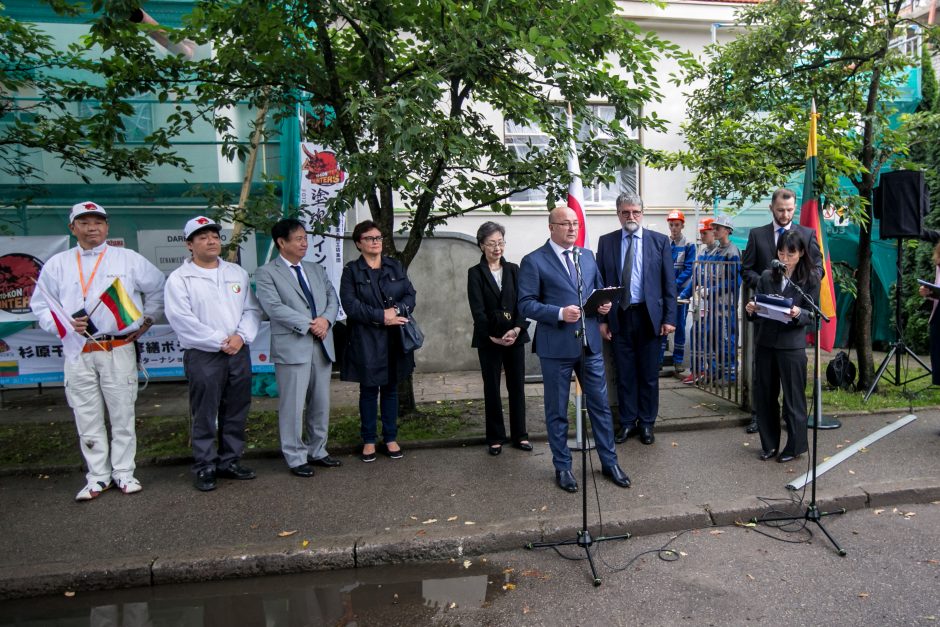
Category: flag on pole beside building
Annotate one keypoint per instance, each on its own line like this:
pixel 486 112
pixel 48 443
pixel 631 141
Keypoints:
pixel 575 190
pixel 811 216
pixel 121 305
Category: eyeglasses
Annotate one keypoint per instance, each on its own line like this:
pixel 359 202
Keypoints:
pixel 495 245
pixel 372 239
pixel 637 212
pixel 567 225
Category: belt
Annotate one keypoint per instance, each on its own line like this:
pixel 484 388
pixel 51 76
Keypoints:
pixel 101 344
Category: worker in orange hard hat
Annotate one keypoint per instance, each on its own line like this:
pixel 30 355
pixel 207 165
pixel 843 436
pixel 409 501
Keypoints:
pixel 683 260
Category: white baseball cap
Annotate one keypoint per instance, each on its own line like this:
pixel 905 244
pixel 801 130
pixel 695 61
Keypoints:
pixel 85 208
pixel 199 223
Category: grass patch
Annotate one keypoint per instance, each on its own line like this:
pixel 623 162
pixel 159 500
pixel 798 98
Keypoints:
pixel 56 443
pixel 919 393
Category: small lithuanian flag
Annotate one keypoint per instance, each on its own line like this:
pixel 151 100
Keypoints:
pixel 9 368
pixel 116 299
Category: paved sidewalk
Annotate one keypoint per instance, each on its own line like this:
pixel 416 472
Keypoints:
pixel 436 503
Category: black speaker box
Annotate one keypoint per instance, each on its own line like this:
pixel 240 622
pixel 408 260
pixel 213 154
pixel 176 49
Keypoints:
pixel 901 202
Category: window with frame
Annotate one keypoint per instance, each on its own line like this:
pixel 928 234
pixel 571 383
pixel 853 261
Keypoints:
pixel 523 138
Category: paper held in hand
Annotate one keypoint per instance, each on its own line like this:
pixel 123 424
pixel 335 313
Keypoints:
pixel 774 307
pixel 934 289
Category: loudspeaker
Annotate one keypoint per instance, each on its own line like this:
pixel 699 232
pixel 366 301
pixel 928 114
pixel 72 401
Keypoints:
pixel 901 202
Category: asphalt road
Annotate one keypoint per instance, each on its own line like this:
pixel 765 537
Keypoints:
pixel 723 576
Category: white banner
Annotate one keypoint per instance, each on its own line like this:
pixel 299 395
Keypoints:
pixel 320 180
pixel 34 356
pixel 167 249
pixel 21 259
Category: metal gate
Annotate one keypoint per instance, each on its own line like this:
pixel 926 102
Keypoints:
pixel 715 337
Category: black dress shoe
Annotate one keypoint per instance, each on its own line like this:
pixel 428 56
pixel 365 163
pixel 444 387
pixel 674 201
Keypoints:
pixel 646 435
pixel 625 433
pixel 786 457
pixel 205 480
pixel 496 450
pixel 566 480
pixel 326 462
pixel 617 475
pixel 752 426
pixel 765 455
pixel 304 470
pixel 522 446
pixel 234 471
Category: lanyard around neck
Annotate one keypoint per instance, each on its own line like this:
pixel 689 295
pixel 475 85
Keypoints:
pixel 81 275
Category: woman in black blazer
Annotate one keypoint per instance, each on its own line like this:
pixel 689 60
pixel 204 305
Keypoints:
pixel 499 333
pixel 376 292
pixel 780 358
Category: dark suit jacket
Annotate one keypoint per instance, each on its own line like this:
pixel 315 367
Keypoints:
pixel 659 275
pixel 485 297
pixel 761 250
pixel 545 288
pixel 773 334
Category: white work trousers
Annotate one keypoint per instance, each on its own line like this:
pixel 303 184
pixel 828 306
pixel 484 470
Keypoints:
pixel 96 380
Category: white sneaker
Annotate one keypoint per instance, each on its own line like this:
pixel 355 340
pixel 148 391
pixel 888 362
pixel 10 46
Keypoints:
pixel 129 485
pixel 92 490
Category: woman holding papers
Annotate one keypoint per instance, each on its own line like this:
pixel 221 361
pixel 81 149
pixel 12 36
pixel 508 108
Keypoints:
pixel 930 294
pixel 780 359
pixel 499 333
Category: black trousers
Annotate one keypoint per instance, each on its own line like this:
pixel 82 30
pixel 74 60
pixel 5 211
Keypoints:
pixel 219 388
pixel 775 368
pixel 493 360
pixel 636 353
pixel 935 349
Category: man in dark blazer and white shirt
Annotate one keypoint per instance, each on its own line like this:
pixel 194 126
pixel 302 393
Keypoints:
pixel 548 294
pixel 761 248
pixel 645 314
pixel 302 305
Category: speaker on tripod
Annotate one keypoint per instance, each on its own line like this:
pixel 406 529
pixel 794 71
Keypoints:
pixel 901 202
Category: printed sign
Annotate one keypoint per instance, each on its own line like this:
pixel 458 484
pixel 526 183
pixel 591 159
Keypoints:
pixel 21 260
pixel 167 249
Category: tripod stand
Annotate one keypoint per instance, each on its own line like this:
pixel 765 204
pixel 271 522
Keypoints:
pixel 898 347
pixel 583 538
pixel 812 513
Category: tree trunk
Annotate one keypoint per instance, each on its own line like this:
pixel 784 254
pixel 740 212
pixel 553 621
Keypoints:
pixel 861 322
pixel 237 225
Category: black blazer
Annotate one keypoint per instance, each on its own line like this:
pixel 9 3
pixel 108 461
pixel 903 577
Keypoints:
pixel 485 297
pixel 773 334
pixel 761 250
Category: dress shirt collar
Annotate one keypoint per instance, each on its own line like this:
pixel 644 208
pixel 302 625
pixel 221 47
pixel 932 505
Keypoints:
pixel 97 250
pixel 638 232
pixel 559 251
pixel 291 265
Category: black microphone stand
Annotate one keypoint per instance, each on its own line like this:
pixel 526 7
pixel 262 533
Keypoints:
pixel 812 513
pixel 584 538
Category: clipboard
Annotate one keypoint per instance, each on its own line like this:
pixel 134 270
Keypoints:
pixel 934 289
pixel 774 307
pixel 601 296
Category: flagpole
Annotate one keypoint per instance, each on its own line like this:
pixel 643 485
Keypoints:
pixel 52 300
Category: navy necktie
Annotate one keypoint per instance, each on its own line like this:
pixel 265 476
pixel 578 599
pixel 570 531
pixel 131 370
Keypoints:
pixel 572 273
pixel 306 291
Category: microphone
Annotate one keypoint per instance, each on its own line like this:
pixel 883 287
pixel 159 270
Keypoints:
pixel 776 264
pixel 576 254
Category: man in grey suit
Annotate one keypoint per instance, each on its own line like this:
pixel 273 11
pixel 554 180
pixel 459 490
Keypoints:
pixel 302 306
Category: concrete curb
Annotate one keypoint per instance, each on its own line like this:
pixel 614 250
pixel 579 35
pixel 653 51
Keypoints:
pixel 425 544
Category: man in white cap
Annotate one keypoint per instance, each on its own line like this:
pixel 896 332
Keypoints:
pixel 105 374
pixel 215 315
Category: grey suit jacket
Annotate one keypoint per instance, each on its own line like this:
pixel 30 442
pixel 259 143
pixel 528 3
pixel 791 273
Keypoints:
pixel 282 299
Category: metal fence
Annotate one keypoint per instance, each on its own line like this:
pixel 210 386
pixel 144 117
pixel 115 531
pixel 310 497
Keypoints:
pixel 717 328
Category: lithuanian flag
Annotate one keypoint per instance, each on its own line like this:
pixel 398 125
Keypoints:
pixel 9 368
pixel 811 216
pixel 116 299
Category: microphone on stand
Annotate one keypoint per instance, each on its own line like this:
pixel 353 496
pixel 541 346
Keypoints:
pixel 776 264
pixel 778 270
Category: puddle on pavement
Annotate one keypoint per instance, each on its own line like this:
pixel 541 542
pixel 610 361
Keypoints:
pixel 387 595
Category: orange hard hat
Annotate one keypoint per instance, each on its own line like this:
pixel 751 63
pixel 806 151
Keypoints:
pixel 705 224
pixel 675 214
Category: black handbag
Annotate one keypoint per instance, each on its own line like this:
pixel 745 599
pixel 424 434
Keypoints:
pixel 412 338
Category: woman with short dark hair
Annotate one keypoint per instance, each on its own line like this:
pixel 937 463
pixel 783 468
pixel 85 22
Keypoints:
pixel 499 333
pixel 377 296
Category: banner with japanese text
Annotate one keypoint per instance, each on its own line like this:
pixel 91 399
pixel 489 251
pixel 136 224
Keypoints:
pixel 35 356
pixel 321 179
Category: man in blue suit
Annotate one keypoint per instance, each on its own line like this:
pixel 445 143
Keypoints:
pixel 640 261
pixel 548 294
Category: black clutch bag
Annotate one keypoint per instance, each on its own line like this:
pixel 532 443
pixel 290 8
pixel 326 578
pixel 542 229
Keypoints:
pixel 501 321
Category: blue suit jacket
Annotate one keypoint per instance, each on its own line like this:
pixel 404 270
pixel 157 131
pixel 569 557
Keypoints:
pixel 659 275
pixel 544 288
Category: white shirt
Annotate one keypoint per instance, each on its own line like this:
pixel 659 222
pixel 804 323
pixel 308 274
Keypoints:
pixel 60 278
pixel 206 307
pixel 777 228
